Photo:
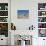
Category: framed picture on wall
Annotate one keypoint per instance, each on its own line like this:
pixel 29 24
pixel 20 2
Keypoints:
pixel 22 14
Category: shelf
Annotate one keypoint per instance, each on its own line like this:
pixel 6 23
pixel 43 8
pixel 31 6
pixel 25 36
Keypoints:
pixel 3 22
pixel 41 28
pixel 41 22
pixel 42 37
pixel 4 19
pixel 41 10
pixel 42 16
pixel 3 16
pixel 3 10
pixel 42 19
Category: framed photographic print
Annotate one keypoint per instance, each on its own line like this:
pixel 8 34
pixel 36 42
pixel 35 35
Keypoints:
pixel 22 14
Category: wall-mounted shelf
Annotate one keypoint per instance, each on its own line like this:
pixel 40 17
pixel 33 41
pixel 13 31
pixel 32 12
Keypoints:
pixel 41 28
pixel 41 10
pixel 41 22
pixel 42 16
pixel 3 16
pixel 3 22
pixel 4 19
pixel 42 19
pixel 3 10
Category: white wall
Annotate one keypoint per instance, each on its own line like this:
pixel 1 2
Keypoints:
pixel 23 24
pixel 32 6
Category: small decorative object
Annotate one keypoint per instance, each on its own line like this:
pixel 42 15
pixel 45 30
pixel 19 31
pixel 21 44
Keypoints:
pixel 41 8
pixel 6 7
pixel 42 32
pixel 43 39
pixel 42 25
pixel 40 19
pixel 45 7
pixel 3 19
pixel 13 27
pixel 43 13
pixel 31 27
pixel 23 14
pixel 0 7
pixel 3 13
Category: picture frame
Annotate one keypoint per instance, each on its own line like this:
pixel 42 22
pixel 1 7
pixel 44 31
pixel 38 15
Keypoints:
pixel 22 14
